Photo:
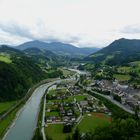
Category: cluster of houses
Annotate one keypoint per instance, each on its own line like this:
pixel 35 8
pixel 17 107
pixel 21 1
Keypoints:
pixel 74 90
pixel 63 106
pixel 91 104
pixel 126 92
pixel 68 108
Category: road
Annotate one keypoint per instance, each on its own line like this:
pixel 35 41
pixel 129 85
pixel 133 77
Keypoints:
pixel 110 99
pixel 115 102
pixel 43 119
pixel 44 107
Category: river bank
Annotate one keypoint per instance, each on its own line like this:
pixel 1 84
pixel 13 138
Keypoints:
pixel 18 108
pixel 38 90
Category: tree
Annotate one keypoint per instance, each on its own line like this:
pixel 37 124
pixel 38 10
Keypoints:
pixel 67 128
pixel 76 135
pixel 117 98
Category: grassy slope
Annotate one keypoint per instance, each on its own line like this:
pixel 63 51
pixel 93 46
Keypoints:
pixel 4 106
pixel 124 69
pixel 5 123
pixel 122 77
pixel 5 59
pixel 67 72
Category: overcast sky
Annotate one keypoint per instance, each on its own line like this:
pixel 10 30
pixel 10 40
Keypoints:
pixel 85 23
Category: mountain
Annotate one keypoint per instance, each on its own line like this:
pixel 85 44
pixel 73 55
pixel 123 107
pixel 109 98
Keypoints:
pixel 9 50
pixel 58 48
pixel 33 51
pixel 45 57
pixel 118 52
pixel 17 73
pixel 36 51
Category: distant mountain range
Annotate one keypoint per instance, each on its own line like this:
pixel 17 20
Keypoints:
pixel 118 52
pixel 36 51
pixel 58 48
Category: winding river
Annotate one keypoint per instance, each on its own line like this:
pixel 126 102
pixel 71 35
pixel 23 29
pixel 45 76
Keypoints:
pixel 25 124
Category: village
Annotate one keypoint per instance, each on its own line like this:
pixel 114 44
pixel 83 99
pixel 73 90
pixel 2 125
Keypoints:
pixel 71 105
pixel 123 93
pixel 67 103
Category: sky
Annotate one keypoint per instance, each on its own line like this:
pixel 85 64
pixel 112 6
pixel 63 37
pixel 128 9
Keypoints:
pixel 84 23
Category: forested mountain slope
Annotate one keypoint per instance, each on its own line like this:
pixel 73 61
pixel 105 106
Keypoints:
pixel 17 73
pixel 119 52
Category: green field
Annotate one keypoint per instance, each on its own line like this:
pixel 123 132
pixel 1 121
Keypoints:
pixel 67 72
pixel 51 92
pixel 136 63
pixel 124 69
pixel 53 113
pixel 122 77
pixel 69 99
pixel 7 121
pixel 55 131
pixel 96 55
pixel 5 58
pixel 89 123
pixel 4 106
pixel 80 97
pixel 109 57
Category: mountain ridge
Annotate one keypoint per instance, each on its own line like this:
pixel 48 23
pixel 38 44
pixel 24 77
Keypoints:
pixel 118 52
pixel 57 47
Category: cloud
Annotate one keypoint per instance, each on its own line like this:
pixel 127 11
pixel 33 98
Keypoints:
pixel 16 30
pixel 36 32
pixel 80 22
pixel 131 29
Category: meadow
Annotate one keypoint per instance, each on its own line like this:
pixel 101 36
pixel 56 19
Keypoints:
pixel 5 58
pixel 4 106
pixel 122 77
pixel 93 120
pixel 5 123
pixel 89 123
pixel 55 131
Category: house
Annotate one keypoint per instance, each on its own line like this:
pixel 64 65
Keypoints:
pixel 66 118
pixel 50 103
pixel 49 121
pixel 83 103
pixel 62 112
pixel 132 102
pixel 69 112
pixel 48 110
pixel 73 119
pixel 122 87
pixel 90 98
pixel 58 119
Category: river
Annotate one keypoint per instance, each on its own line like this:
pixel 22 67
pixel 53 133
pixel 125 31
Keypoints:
pixel 24 125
